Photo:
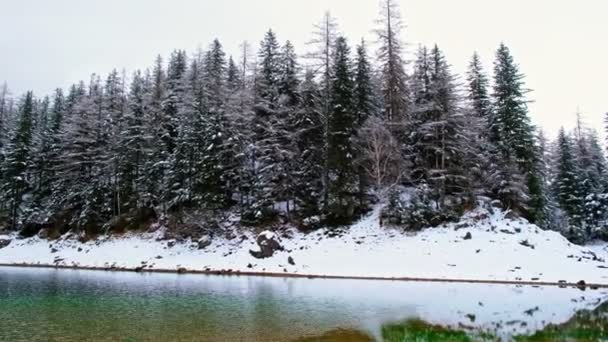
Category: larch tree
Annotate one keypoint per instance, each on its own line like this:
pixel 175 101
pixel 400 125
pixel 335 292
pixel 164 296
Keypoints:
pixel 325 35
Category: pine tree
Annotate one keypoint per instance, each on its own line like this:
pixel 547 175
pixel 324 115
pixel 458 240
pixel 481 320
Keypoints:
pixel 19 157
pixel 157 156
pixel 133 140
pixel 45 134
pixel 267 132
pixel 309 137
pixel 364 103
pixel 341 154
pixel 568 187
pixel 289 101
pixel 364 88
pixel 175 192
pixel 478 84
pixel 84 160
pixel 439 140
pixel 267 88
pixel 113 108
pixel 478 115
pixel 218 160
pixel 515 135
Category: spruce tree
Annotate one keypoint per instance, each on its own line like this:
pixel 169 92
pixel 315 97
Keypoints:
pixel 341 154
pixel 479 111
pixel 289 101
pixel 175 193
pixel 18 160
pixel 515 135
pixel 568 187
pixel 439 140
pixel 267 132
pixel 157 156
pixel 364 103
pixel 133 140
pixel 478 84
pixel 309 136
pixel 218 161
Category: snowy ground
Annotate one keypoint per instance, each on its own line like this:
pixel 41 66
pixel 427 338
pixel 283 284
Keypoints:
pixel 499 249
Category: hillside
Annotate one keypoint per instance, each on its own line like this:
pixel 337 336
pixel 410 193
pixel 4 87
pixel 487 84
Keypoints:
pixel 482 246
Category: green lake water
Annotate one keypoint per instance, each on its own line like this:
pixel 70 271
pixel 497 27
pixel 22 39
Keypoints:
pixel 65 305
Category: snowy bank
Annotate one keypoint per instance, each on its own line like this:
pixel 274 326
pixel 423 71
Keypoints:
pixel 482 246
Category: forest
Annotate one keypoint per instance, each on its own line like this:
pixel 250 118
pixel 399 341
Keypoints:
pixel 315 140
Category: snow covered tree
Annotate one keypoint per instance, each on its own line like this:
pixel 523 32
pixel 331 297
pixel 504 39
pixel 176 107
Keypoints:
pixel 324 38
pixel 133 140
pixel 84 161
pixel 478 84
pixel 268 126
pixel 380 155
pixel 218 160
pixel 309 138
pixel 365 107
pixel 157 157
pixel 515 134
pixel 174 190
pixel 113 107
pixel 438 137
pixel 567 186
pixel 365 104
pixel 341 153
pixel 6 118
pixel 19 158
pixel 390 54
pixel 478 112
pixel 592 166
pixel 289 102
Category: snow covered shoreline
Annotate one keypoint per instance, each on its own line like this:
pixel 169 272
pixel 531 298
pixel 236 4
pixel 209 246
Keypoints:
pixel 482 247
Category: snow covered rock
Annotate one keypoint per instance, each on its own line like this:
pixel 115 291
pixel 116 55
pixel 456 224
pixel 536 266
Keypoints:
pixel 204 242
pixel 269 243
pixel 4 243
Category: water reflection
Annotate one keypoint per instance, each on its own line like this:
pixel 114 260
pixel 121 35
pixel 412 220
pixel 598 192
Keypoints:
pixel 42 304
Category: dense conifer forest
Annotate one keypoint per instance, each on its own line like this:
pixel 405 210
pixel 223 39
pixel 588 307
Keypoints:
pixel 317 139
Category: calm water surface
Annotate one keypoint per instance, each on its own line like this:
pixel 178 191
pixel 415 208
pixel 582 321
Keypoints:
pixel 64 305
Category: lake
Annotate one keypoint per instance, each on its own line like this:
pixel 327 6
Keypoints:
pixel 73 305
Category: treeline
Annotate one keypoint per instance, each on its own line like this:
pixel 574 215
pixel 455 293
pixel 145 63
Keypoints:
pixel 316 139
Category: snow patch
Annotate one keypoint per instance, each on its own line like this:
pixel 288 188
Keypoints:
pixel 499 249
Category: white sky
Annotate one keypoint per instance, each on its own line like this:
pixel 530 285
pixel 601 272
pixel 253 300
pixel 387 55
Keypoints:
pixel 561 45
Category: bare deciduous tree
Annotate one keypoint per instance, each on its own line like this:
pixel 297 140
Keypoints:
pixel 380 156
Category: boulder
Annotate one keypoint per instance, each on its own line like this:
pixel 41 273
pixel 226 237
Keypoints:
pixel 30 229
pixel 4 243
pixel 204 242
pixel 468 236
pixel 43 234
pixel 269 243
pixel 134 220
pixel 291 261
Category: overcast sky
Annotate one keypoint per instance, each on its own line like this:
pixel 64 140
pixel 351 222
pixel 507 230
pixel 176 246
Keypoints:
pixel 560 45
